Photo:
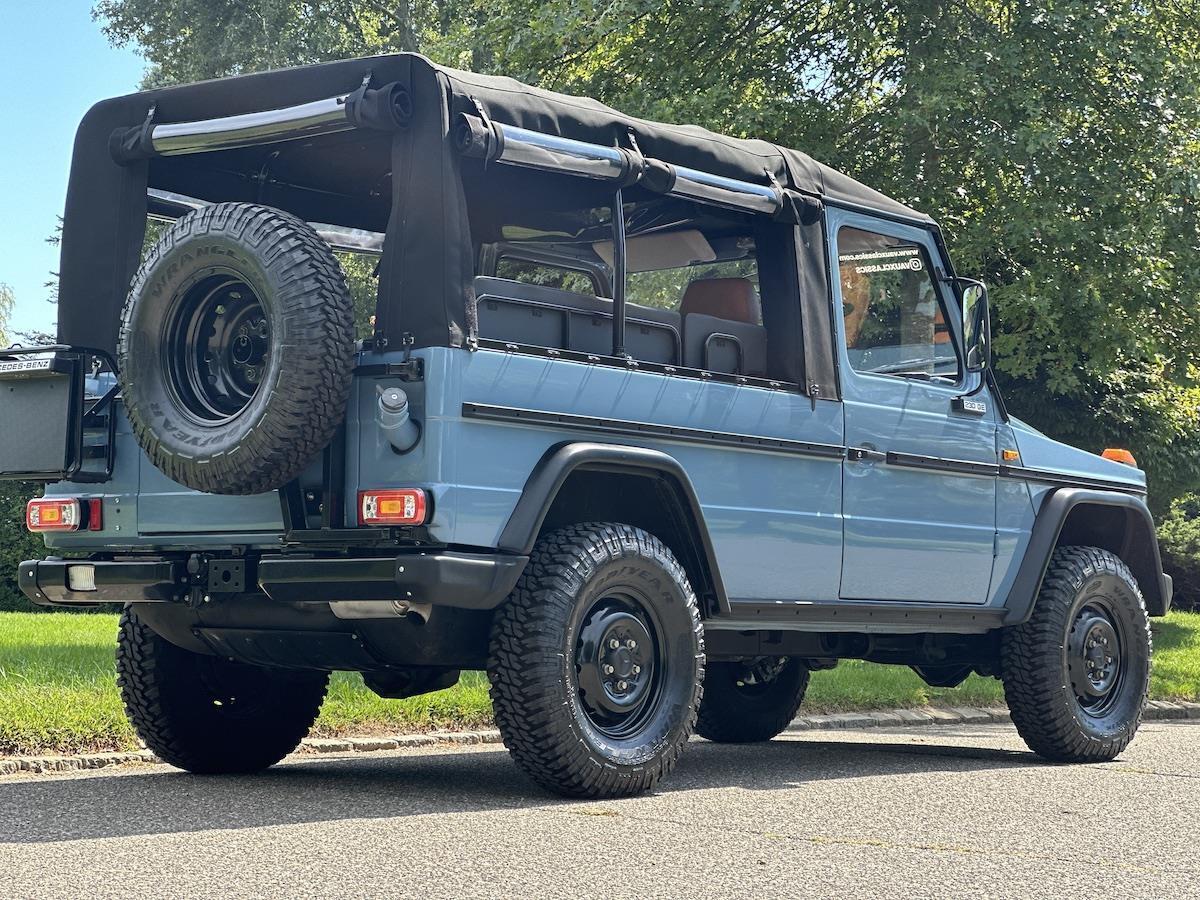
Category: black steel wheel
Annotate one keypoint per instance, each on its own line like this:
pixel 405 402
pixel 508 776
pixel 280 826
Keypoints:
pixel 236 349
pixel 596 662
pixel 218 341
pixel 747 701
pixel 1077 673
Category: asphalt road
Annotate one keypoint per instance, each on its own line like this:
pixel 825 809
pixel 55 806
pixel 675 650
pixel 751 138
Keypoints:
pixel 928 812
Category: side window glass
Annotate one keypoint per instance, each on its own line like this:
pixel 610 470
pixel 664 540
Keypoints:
pixel 896 321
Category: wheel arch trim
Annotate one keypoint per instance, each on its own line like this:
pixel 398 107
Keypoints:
pixel 1137 546
pixel 562 460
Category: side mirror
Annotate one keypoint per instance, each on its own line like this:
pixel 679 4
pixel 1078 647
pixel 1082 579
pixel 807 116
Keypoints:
pixel 977 325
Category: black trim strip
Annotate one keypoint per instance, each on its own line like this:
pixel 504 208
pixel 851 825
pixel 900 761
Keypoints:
pixel 644 429
pixel 855 615
pixel 637 365
pixel 784 445
pixel 1058 478
pixel 942 464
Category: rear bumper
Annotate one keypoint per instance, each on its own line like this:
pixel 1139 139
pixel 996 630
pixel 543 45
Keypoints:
pixel 436 577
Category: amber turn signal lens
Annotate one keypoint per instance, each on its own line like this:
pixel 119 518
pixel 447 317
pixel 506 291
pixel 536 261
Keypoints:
pixel 1116 454
pixel 1010 455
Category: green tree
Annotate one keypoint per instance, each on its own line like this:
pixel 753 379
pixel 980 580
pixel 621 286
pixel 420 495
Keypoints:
pixel 16 543
pixel 1057 142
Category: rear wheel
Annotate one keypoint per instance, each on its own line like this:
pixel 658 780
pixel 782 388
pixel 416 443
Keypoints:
pixel 596 662
pixel 207 714
pixel 752 700
pixel 1077 673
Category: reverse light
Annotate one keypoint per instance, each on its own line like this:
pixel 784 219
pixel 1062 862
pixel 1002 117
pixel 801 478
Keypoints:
pixel 1117 454
pixel 398 507
pixel 53 514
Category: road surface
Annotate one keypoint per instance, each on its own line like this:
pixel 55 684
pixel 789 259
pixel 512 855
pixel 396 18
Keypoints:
pixel 928 812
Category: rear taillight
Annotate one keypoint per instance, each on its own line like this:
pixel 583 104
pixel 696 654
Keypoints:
pixel 397 507
pixel 53 514
pixel 64 514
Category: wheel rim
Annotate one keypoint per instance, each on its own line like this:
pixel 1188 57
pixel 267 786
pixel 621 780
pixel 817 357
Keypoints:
pixel 217 347
pixel 620 665
pixel 1095 648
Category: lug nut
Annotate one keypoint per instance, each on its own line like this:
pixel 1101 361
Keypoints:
pixel 608 670
pixel 631 644
pixel 613 643
pixel 637 670
pixel 622 685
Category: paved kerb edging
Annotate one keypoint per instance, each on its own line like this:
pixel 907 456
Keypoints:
pixel 1156 710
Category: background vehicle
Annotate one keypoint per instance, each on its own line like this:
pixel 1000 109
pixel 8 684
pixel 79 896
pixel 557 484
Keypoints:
pixel 632 464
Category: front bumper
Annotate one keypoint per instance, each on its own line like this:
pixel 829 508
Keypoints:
pixel 435 577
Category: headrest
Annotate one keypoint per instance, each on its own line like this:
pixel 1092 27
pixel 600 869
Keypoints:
pixel 724 298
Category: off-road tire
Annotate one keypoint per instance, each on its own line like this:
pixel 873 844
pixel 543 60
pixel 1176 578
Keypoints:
pixel 301 376
pixel 733 712
pixel 535 665
pixel 207 714
pixel 1036 660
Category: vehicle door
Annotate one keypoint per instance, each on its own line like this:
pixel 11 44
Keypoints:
pixel 919 480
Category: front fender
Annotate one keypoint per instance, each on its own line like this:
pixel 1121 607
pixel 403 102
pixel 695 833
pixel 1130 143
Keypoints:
pixel 1112 520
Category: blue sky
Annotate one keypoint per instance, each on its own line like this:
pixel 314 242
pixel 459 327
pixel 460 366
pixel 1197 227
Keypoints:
pixel 54 64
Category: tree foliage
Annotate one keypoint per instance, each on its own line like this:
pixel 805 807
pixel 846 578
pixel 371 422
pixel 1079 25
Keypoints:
pixel 1179 540
pixel 1057 142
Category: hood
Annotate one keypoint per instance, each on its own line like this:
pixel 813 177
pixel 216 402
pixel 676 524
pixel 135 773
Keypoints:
pixel 1041 452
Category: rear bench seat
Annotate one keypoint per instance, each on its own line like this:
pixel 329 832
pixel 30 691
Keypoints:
pixel 721 327
pixel 521 313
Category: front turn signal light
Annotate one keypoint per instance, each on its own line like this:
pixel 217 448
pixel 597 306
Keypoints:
pixel 408 506
pixel 1117 454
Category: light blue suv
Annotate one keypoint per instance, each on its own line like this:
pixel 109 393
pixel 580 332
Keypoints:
pixel 646 421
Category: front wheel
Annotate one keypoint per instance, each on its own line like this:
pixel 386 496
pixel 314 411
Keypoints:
pixel 1077 673
pixel 208 714
pixel 750 701
pixel 596 662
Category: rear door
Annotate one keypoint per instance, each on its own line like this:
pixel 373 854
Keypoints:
pixel 919 480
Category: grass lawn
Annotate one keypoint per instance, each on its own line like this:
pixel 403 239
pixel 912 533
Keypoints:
pixel 58 693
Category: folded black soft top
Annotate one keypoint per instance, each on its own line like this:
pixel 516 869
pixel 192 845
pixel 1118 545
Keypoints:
pixel 106 199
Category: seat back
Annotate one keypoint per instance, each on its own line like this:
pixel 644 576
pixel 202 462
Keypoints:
pixel 721 327
pixel 534 314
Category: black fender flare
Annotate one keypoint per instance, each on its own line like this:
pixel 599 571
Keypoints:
pixel 1137 545
pixel 560 461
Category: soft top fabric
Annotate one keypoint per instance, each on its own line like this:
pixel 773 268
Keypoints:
pixel 426 290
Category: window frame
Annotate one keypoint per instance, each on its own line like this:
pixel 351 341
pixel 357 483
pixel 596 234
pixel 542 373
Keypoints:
pixel 924 239
pixel 615 293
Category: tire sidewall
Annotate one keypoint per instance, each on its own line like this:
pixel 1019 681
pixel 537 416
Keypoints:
pixel 667 604
pixel 144 377
pixel 1125 607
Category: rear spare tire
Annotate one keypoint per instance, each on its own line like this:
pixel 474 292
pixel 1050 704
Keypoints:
pixel 236 349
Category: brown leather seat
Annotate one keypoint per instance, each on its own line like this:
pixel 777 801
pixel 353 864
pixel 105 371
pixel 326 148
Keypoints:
pixel 723 298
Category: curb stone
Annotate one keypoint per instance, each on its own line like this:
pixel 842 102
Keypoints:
pixel 1156 710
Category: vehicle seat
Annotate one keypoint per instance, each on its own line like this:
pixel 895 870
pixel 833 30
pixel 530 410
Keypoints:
pixel 548 317
pixel 722 330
